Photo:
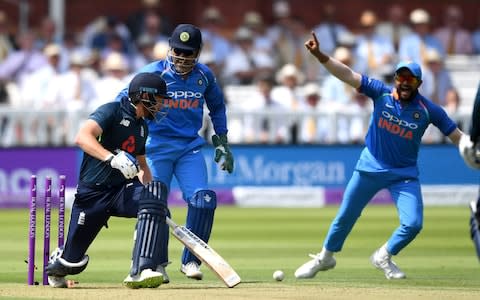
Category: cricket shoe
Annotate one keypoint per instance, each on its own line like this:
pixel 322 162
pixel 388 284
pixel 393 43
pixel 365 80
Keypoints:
pixel 57 281
pixel 146 279
pixel 313 266
pixel 386 264
pixel 161 269
pixel 192 270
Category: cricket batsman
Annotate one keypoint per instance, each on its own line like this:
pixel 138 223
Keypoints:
pixel 113 140
pixel 470 151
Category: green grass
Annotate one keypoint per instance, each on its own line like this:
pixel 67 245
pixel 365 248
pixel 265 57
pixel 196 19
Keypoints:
pixel 256 242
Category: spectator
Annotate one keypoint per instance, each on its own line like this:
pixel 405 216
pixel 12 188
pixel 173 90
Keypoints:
pixel 72 90
pixel 71 43
pixel 444 93
pixel 160 50
pixel 99 33
pixel 373 51
pixel 330 29
pixel 331 32
pixel 153 27
pixel 270 129
pixel 136 21
pixel 6 46
pixel 334 90
pixel 314 129
pixel 282 17
pixel 144 53
pixel 414 46
pixel 245 63
pixel 114 79
pixel 290 49
pixel 22 62
pixel 476 37
pixel 289 94
pixel 454 38
pixel 254 21
pixel 6 39
pixel 395 27
pixel 47 34
pixel 213 39
pixel 34 94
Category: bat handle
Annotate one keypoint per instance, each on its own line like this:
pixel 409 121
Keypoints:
pixel 170 222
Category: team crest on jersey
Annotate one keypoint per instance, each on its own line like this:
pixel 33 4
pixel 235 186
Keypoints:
pixel 125 122
pixel 416 115
pixel 200 82
pixel 142 131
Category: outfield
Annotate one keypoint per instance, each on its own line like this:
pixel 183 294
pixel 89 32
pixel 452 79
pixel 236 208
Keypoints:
pixel 440 263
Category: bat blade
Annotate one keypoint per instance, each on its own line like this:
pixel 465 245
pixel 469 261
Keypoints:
pixel 206 254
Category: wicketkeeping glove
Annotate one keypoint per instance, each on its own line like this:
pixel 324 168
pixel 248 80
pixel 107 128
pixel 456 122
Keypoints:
pixel 126 163
pixel 220 142
pixel 468 152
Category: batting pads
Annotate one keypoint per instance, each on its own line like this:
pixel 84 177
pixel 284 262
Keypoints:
pixel 150 224
pixel 475 227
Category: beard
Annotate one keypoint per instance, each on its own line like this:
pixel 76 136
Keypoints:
pixel 406 92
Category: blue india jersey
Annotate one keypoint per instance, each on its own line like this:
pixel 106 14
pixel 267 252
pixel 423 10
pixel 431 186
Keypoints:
pixel 185 110
pixel 395 132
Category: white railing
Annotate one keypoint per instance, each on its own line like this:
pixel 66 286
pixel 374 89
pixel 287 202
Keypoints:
pixel 59 127
pixel 39 128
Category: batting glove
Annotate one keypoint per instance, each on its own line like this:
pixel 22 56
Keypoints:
pixel 126 163
pixel 222 149
pixel 468 152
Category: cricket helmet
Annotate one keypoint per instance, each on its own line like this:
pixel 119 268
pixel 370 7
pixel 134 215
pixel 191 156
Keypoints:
pixel 185 45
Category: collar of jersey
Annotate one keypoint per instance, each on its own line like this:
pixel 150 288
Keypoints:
pixel 128 110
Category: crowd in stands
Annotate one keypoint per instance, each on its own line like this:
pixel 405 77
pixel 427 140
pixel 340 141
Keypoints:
pixel 39 70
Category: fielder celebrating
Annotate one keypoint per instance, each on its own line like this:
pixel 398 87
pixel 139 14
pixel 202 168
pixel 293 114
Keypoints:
pixel 174 147
pixel 389 160
pixel 470 151
pixel 113 140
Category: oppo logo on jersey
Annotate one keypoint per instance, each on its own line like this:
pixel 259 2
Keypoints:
pixel 185 94
pixel 396 126
pixel 183 99
pixel 395 119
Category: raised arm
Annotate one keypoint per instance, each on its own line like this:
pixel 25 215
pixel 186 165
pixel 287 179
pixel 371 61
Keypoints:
pixel 335 67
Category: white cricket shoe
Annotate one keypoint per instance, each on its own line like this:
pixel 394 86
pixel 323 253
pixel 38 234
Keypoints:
pixel 162 270
pixel 313 266
pixel 192 270
pixel 146 279
pixel 57 281
pixel 386 264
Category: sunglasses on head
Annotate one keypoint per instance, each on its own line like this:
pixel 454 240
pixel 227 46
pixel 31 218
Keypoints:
pixel 406 78
pixel 179 51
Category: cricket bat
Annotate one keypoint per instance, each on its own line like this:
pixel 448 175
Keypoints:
pixel 205 253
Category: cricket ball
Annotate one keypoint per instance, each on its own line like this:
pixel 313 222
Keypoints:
pixel 278 275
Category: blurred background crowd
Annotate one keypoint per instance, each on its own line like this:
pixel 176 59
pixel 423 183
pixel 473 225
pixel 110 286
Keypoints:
pixel 275 91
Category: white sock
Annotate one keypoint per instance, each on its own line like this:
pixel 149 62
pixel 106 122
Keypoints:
pixel 325 253
pixel 383 252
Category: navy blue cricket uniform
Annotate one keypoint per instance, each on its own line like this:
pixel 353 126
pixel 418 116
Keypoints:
pixel 102 190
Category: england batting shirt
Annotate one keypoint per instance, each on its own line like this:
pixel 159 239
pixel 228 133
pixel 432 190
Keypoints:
pixel 395 132
pixel 121 131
